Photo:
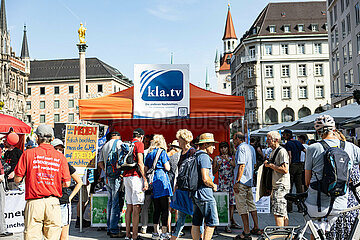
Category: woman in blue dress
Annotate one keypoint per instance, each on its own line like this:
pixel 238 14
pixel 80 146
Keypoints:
pixel 161 186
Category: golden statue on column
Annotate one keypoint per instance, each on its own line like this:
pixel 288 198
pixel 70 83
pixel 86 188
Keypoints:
pixel 81 32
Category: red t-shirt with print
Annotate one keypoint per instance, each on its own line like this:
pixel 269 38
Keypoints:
pixel 139 148
pixel 45 169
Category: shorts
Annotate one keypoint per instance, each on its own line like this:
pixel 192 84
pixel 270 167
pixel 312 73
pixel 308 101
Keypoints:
pixel 323 224
pixel 278 201
pixel 244 200
pixel 134 194
pixel 205 211
pixel 85 191
pixel 65 214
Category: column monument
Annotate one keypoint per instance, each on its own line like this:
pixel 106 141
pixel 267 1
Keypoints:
pixel 82 48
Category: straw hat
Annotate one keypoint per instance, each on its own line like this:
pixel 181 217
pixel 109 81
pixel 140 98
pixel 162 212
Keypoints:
pixel 206 138
pixel 175 144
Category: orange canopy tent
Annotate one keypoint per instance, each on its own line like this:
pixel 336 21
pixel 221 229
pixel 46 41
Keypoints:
pixel 209 112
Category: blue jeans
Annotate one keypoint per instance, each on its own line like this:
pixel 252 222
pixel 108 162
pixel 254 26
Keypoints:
pixel 113 206
pixel 180 224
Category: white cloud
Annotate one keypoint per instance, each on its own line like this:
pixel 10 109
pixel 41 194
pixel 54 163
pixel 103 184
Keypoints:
pixel 164 12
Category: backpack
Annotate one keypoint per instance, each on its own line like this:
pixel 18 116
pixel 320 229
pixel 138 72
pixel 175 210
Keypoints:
pixel 335 174
pixel 126 159
pixel 188 178
pixel 151 172
pixel 267 174
pixel 111 170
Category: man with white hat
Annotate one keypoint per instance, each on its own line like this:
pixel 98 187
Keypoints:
pixel 204 202
pixel 45 171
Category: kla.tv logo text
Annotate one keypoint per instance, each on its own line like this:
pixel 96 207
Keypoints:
pixel 161 85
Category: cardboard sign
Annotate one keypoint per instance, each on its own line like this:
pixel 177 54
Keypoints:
pixel 81 146
pixel 161 91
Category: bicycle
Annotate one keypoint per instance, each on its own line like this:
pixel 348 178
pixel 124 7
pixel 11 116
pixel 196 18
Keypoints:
pixel 298 232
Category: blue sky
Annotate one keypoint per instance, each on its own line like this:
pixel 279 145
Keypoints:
pixel 123 32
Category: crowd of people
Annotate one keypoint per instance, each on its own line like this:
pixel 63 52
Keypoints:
pixel 152 179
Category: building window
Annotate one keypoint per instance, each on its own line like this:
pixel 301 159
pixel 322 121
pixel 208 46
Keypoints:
pixel 57 90
pixel 343 29
pixel 42 104
pixel 268 49
pixel 303 92
pixel 269 71
pixel 28 118
pixel 301 27
pixel 42 90
pixel 301 48
pixel 284 49
pixel 302 70
pixel 42 118
pixel 287 28
pixel 270 93
pixel 71 103
pixel 71 117
pixel 250 72
pixel 351 76
pixel 348 23
pixel 336 32
pixel 56 118
pixel 100 88
pixel 317 47
pixel 252 116
pixel 272 29
pixel 56 104
pixel 251 94
pixel 28 105
pixel 252 51
pixel 286 93
pixel 337 61
pixel 335 13
pixel 342 5
pixel 357 13
pixel 285 70
pixel 29 91
pixel 318 69
pixel 224 85
pixel 315 27
pixel 347 2
pixel 319 92
pixel 87 88
pixel 349 48
pixel 331 18
pixel 358 43
pixel 345 54
pixel 71 89
pixel 346 77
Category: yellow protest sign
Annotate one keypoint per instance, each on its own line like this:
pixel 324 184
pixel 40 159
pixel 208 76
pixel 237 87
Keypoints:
pixel 81 145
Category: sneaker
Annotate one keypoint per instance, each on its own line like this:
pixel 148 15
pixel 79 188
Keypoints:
pixel 143 230
pixel 164 236
pixel 127 238
pixel 182 234
pixel 155 236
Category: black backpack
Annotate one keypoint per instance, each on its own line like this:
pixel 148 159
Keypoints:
pixel 188 177
pixel 267 174
pixel 335 174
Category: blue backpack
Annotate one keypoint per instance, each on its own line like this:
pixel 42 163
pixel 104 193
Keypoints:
pixel 111 170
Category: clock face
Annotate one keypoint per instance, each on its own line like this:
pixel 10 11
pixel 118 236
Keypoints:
pixel 228 78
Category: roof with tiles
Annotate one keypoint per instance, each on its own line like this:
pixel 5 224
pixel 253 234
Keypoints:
pixel 229 32
pixel 63 69
pixel 286 18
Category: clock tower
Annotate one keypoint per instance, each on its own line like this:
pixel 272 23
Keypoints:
pixel 222 61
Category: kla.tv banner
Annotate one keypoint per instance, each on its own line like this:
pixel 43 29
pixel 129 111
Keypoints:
pixel 161 91
pixel 81 146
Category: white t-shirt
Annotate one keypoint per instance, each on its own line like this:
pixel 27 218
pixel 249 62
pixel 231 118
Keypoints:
pixel 302 156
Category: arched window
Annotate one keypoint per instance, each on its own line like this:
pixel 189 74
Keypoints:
pixel 228 45
pixel 319 110
pixel 287 115
pixel 303 112
pixel 271 116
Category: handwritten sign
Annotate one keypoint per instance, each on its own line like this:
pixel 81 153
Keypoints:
pixel 81 145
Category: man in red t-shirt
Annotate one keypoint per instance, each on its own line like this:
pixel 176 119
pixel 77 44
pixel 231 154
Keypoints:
pixel 135 186
pixel 45 171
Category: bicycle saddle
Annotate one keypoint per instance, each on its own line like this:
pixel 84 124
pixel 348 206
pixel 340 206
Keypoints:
pixel 296 196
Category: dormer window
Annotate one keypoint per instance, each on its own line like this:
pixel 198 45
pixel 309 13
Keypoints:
pixel 254 30
pixel 272 29
pixel 286 28
pixel 315 27
pixel 301 28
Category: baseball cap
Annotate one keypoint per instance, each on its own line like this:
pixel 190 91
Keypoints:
pixel 44 131
pixel 57 142
pixel 139 131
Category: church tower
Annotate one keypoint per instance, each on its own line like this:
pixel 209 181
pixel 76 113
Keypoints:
pixel 4 53
pixel 222 63
pixel 25 52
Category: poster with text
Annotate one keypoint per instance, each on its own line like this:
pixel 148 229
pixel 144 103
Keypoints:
pixel 14 210
pixel 81 146
pixel 161 91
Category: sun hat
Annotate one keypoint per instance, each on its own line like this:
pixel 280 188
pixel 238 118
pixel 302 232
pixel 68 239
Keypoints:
pixel 206 138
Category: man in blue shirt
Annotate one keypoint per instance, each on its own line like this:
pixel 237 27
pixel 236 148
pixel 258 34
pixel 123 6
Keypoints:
pixel 296 167
pixel 245 159
pixel 204 202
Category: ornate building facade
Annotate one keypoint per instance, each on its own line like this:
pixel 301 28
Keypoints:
pixel 14 72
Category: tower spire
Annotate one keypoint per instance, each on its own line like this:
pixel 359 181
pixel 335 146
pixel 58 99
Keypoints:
pixel 207 84
pixel 229 27
pixel 24 48
pixel 3 25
